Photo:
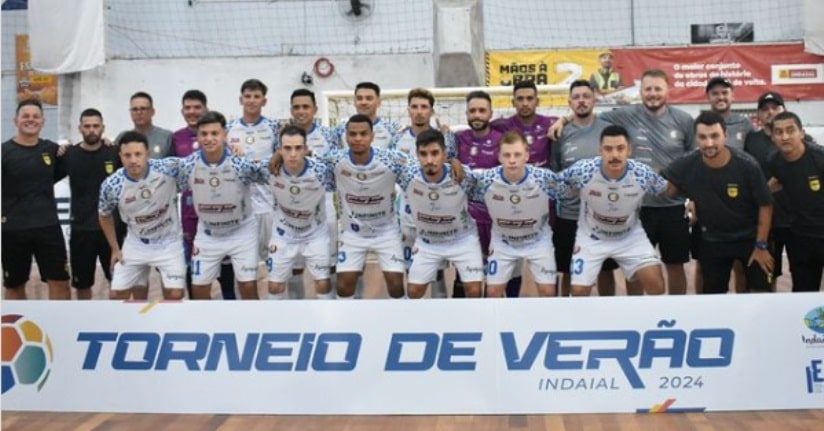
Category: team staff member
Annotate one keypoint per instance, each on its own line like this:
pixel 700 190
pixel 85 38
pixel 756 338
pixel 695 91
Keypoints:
pixel 799 169
pixel 30 224
pixel 88 164
pixel 731 195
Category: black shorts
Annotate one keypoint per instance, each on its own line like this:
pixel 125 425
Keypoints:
pixel 47 246
pixel 667 228
pixel 86 247
pixel 779 238
pixel 806 255
pixel 563 238
pixel 695 241
pixel 716 263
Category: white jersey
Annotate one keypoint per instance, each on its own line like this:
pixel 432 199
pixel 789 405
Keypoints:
pixel 300 201
pixel 321 140
pixel 148 205
pixel 258 141
pixel 367 192
pixel 220 191
pixel 519 211
pixel 610 208
pixel 382 129
pixel 439 210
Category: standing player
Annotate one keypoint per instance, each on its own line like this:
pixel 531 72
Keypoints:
pixel 517 197
pixel 367 102
pixel 300 229
pixel 611 188
pixel 145 193
pixel 319 141
pixel 659 134
pixel 30 223
pixel 256 135
pixel 420 107
pixel 141 109
pixel 759 144
pixel 88 164
pixel 365 178
pixel 445 231
pixel 478 148
pixel 799 170
pixel 579 140
pixel 220 184
pixel 734 204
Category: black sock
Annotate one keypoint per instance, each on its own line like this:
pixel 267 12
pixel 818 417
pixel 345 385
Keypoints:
pixel 458 290
pixel 513 287
pixel 227 281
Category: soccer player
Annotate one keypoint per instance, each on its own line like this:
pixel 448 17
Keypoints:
pixel 365 180
pixel 580 140
pixel 734 204
pixel 145 193
pixel 659 134
pixel 367 102
pixel 319 141
pixel 478 148
pixel 611 188
pixel 799 170
pixel 300 228
pixel 759 144
pixel 517 196
pixel 445 231
pixel 141 109
pixel 30 225
pixel 88 164
pixel 220 184
pixel 420 103
pixel 257 136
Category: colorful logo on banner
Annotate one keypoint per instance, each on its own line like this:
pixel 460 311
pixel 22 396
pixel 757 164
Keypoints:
pixel 815 320
pixel 666 407
pixel 26 351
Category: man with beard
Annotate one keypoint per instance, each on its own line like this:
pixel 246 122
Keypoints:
pixel 580 140
pixel 88 164
pixel 478 148
pixel 659 134
pixel 732 197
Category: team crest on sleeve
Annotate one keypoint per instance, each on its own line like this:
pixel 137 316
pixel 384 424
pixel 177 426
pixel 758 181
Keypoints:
pixel 47 159
pixel 815 184
pixel 732 190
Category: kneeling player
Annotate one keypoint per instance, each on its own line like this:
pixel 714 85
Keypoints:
pixel 611 188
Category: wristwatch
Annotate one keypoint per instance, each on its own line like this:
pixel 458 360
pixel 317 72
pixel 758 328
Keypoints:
pixel 763 245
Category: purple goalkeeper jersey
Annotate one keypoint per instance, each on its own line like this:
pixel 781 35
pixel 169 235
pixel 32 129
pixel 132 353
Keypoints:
pixel 478 153
pixel 540 146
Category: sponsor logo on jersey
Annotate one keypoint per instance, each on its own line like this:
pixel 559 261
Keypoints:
pixel 364 200
pixel 435 219
pixel 280 185
pixel 496 197
pixel 215 208
pixel 199 180
pixel 148 218
pixel 732 190
pixel 417 191
pixel 594 193
pixel 516 224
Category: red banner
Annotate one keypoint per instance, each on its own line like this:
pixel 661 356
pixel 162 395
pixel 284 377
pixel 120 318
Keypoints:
pixel 753 69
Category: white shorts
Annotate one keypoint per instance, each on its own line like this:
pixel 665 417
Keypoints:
pixel 334 229
pixel 353 249
pixel 409 234
pixel 632 253
pixel 464 253
pixel 139 257
pixel 505 260
pixel 284 253
pixel 240 246
pixel 264 228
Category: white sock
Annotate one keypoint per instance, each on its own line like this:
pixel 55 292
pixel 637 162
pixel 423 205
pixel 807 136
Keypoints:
pixel 359 288
pixel 346 297
pixel 329 295
pixel 295 287
pixel 439 289
pixel 277 296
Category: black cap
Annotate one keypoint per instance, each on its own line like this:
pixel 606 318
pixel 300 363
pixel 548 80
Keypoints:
pixel 718 80
pixel 770 96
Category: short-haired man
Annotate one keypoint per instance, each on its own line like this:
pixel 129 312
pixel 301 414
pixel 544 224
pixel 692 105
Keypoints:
pixel 88 164
pixel 478 148
pixel 220 184
pixel 517 197
pixel 579 140
pixel 734 204
pixel 141 109
pixel 437 204
pixel 145 193
pixel 300 229
pixel 30 223
pixel 367 102
pixel 611 188
pixel 799 171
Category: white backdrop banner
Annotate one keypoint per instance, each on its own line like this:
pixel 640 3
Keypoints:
pixel 624 354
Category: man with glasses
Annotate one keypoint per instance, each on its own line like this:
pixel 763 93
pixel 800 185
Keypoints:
pixel 141 109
